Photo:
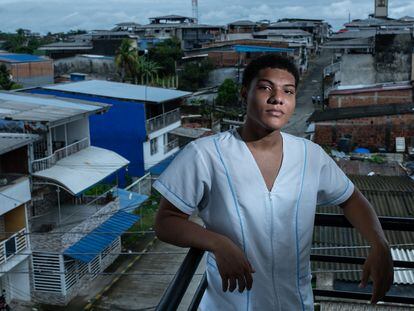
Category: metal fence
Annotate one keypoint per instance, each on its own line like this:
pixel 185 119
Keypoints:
pixel 163 120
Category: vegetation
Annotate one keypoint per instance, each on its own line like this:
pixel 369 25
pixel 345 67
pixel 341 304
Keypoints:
pixel 194 75
pixel 126 59
pixel 5 82
pixel 20 42
pixel 228 94
pixel 99 189
pixel 147 212
pixel 166 54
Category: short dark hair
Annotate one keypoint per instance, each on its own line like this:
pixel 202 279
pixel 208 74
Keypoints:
pixel 275 61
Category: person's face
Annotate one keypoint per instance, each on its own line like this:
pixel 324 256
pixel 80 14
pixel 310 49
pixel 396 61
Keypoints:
pixel 271 98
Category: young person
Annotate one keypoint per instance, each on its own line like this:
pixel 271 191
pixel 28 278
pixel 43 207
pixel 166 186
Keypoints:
pixel 256 189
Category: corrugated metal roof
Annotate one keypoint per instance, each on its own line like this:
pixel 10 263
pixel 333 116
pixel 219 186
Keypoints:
pixel 21 58
pixel 283 32
pixel 403 276
pixel 95 242
pixel 120 90
pixel 258 48
pixel 390 196
pixel 346 113
pixel 129 200
pixel 12 141
pixel 84 168
pixel 35 108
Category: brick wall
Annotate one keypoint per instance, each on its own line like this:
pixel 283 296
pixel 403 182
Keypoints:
pixel 37 69
pixel 366 132
pixel 379 97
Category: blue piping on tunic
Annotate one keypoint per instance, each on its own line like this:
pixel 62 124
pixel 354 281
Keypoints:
pixel 331 201
pixel 186 204
pixel 236 205
pixel 296 225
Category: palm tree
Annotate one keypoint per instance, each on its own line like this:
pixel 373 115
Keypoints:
pixel 146 69
pixel 126 58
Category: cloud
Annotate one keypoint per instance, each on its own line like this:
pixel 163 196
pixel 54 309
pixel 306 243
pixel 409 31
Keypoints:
pixel 60 15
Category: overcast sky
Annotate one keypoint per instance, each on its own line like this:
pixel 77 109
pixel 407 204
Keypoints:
pixel 62 15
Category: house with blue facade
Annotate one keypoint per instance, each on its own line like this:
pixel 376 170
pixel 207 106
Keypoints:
pixel 139 123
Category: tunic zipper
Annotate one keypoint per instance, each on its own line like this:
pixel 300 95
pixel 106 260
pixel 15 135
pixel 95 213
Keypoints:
pixel 271 244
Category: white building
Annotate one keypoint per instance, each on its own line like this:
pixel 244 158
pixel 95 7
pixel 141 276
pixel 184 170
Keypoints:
pixel 14 198
pixel 66 225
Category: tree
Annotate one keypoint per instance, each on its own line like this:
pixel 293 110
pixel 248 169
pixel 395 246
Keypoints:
pixel 166 54
pixel 194 75
pixel 146 70
pixel 228 93
pixel 126 59
pixel 5 82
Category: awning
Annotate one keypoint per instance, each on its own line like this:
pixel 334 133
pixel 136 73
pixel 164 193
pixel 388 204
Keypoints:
pixel 87 248
pixel 160 167
pixel 129 200
pixel 84 169
pixel 260 49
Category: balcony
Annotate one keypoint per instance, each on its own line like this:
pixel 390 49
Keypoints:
pixel 59 227
pixel 12 245
pixel 175 292
pixel 14 190
pixel 163 120
pixel 48 162
pixel 171 145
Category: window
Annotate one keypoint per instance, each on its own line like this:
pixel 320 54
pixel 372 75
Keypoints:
pixel 154 145
pixel 381 3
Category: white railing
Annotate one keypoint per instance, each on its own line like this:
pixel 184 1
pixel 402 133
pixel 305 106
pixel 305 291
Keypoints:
pixel 142 185
pixel 45 163
pixel 163 120
pixel 331 69
pixel 13 245
pixel 171 145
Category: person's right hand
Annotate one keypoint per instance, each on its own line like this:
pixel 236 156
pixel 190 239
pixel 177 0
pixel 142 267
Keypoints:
pixel 233 266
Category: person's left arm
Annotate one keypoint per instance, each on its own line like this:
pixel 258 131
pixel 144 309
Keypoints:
pixel 379 264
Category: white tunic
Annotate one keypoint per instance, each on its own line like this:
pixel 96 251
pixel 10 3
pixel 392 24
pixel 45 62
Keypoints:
pixel 219 176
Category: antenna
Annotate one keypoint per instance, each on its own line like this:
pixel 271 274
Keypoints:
pixel 195 10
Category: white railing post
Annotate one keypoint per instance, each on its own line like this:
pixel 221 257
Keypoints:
pixel 45 163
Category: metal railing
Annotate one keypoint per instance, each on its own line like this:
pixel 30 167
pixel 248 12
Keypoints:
pixel 178 286
pixel 13 245
pixel 171 145
pixel 163 120
pixel 141 185
pixel 47 162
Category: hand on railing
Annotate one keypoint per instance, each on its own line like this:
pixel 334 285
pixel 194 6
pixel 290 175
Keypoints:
pixel 378 266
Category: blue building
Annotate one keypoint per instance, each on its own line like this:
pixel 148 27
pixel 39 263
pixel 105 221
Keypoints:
pixel 138 125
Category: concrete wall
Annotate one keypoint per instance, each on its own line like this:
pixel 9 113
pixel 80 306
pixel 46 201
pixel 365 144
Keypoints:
pixel 393 54
pixel 151 160
pixel 100 67
pixel 357 69
pixel 15 220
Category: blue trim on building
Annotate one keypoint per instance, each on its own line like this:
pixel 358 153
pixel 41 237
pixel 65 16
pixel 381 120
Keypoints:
pixel 258 48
